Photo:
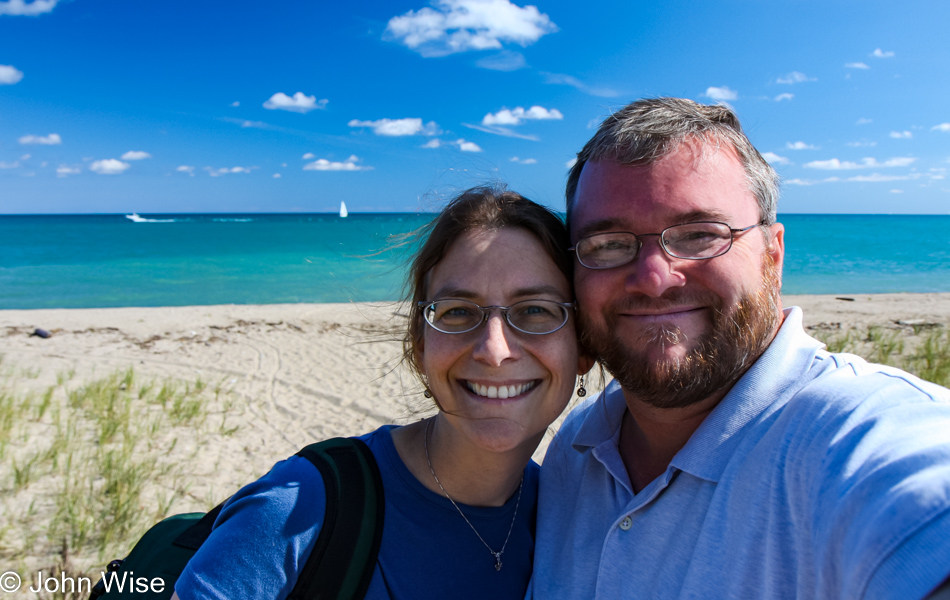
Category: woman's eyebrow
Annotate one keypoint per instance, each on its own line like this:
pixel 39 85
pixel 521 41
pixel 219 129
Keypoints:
pixel 527 292
pixel 450 291
pixel 541 290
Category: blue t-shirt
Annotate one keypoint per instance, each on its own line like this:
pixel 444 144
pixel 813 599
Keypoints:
pixel 265 532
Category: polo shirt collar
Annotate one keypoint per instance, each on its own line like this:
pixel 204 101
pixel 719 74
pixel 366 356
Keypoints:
pixel 764 388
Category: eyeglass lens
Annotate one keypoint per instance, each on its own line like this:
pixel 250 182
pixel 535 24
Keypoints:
pixel 690 240
pixel 529 316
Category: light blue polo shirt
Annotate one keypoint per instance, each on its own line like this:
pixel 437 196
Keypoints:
pixel 817 476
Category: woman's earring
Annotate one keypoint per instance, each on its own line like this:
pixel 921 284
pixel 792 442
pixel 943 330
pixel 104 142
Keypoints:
pixel 425 390
pixel 581 390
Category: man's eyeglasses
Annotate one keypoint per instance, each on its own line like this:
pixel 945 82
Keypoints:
pixel 690 241
pixel 536 317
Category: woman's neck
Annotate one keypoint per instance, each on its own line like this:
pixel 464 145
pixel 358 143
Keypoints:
pixel 468 473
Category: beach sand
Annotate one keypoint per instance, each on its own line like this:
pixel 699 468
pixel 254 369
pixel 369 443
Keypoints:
pixel 306 372
pixel 288 374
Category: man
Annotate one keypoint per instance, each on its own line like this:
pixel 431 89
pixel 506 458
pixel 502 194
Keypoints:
pixel 732 457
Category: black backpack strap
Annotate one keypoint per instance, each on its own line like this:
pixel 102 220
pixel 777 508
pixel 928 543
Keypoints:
pixel 344 555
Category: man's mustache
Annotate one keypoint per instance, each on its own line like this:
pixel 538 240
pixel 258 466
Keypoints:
pixel 671 300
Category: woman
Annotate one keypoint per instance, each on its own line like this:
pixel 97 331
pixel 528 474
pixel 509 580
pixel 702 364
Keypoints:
pixel 491 336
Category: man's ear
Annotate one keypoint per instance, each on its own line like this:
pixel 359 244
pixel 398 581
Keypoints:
pixel 776 247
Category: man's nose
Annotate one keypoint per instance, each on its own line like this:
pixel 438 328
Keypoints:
pixel 653 271
pixel 495 341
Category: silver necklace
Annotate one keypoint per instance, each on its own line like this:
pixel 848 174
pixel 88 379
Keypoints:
pixel 497 555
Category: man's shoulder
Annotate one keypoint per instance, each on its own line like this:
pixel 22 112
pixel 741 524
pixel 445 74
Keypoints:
pixel 842 375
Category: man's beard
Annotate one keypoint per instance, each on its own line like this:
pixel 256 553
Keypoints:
pixel 719 357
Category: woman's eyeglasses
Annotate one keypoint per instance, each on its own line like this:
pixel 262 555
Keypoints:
pixel 536 317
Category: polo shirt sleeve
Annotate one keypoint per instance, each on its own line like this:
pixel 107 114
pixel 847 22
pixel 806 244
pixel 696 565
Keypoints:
pixel 880 488
pixel 261 539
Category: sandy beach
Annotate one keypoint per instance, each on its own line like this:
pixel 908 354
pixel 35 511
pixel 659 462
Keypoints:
pixel 306 372
pixel 285 375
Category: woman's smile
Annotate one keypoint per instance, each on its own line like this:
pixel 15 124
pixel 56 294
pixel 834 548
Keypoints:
pixel 502 391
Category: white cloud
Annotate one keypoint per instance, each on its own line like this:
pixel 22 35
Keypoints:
pixel 901 135
pixel 65 171
pixel 878 53
pixel 461 144
pixel 10 75
pixel 31 9
pixel 862 144
pixel 452 26
pixel 11 165
pixel 897 191
pixel 255 125
pixel 235 104
pixel 52 139
pixel 561 79
pixel 863 121
pixel 795 77
pixel 944 127
pixel 518 115
pixel 856 65
pixel 308 156
pixel 465 146
pixel 323 164
pixel 721 94
pixel 299 103
pixel 570 164
pixel 799 146
pixel 774 158
pixel 866 163
pixel 186 169
pixel 879 178
pixel 503 131
pixel 276 175
pixel 785 96
pixel 398 127
pixel 506 60
pixel 136 155
pixel 524 161
pixel 227 171
pixel 109 166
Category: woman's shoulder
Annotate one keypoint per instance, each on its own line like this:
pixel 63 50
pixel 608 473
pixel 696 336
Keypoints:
pixel 265 532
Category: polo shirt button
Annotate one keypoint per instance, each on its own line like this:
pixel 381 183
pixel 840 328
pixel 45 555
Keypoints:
pixel 626 524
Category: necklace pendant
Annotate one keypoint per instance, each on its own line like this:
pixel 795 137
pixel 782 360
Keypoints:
pixel 497 560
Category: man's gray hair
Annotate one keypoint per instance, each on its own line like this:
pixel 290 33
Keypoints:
pixel 647 130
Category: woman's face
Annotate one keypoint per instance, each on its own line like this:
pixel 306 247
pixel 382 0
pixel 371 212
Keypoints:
pixel 499 268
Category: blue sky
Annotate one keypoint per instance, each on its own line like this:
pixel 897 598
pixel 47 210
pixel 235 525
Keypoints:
pixel 112 106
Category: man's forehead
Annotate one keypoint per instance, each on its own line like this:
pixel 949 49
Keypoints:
pixel 690 184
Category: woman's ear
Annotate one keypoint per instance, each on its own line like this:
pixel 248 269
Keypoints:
pixel 584 363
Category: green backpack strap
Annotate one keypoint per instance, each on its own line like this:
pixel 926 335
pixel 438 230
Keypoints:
pixel 344 556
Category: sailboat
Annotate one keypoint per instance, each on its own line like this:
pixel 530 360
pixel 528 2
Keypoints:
pixel 343 212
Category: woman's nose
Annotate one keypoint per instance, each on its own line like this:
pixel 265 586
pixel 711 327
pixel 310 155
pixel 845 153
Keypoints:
pixel 496 342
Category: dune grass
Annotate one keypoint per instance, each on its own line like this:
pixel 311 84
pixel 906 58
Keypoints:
pixel 85 469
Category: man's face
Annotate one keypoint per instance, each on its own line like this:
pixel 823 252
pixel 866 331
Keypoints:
pixel 674 331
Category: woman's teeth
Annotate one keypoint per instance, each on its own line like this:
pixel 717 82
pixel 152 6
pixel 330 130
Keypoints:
pixel 500 391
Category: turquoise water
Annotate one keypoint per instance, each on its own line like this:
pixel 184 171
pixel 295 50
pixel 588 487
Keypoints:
pixel 75 261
